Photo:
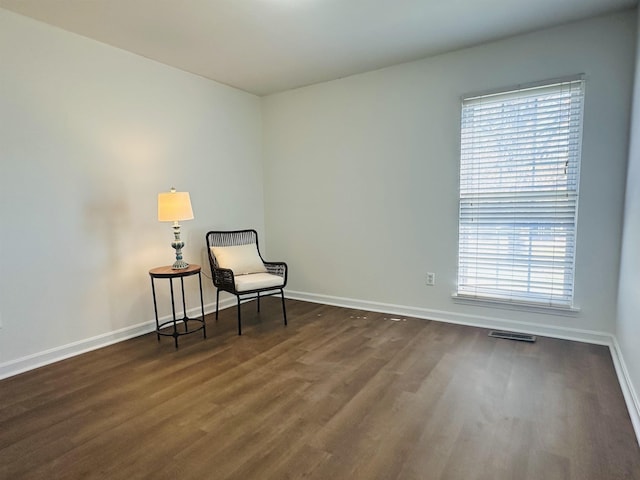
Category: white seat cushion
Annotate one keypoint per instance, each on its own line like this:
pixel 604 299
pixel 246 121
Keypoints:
pixel 239 258
pixel 254 281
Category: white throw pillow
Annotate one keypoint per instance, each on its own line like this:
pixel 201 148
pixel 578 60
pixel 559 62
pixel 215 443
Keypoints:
pixel 242 259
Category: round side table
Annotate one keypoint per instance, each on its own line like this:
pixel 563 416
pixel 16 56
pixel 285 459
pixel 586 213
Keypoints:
pixel 171 274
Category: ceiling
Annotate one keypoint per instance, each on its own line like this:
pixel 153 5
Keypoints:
pixel 267 46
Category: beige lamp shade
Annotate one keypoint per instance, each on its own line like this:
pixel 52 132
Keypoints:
pixel 174 206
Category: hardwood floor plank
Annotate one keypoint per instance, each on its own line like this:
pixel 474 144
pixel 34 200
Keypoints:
pixel 338 393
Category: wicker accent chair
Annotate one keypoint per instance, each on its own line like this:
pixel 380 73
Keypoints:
pixel 237 267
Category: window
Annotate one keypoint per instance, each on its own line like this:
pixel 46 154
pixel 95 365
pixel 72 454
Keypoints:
pixel 519 175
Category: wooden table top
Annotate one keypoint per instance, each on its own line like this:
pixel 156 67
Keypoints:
pixel 168 272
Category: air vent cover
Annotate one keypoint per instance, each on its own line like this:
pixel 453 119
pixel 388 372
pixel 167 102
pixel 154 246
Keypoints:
pixel 523 337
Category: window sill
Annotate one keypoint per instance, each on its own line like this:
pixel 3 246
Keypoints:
pixel 513 305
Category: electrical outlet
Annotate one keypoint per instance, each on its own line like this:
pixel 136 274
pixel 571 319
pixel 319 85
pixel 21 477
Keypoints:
pixel 431 279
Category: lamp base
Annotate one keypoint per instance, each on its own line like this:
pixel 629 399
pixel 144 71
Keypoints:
pixel 179 265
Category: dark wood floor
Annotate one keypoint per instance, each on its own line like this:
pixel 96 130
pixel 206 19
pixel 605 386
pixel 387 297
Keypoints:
pixel 338 394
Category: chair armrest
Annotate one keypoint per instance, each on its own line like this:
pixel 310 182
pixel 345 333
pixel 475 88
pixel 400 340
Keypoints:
pixel 223 278
pixel 277 268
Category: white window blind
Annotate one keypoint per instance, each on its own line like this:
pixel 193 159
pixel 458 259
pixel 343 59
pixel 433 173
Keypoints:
pixel 519 175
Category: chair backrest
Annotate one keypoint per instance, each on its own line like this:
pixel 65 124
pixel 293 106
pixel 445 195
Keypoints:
pixel 228 239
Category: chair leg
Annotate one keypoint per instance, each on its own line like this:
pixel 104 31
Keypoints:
pixel 217 302
pixel 258 302
pixel 239 320
pixel 284 309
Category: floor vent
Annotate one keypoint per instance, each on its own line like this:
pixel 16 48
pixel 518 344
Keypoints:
pixel 523 337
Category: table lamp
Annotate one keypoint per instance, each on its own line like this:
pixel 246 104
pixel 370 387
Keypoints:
pixel 173 207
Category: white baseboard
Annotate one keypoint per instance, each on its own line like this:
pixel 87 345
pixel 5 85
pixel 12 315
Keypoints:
pixel 630 395
pixel 587 336
pixel 40 359
pixel 580 335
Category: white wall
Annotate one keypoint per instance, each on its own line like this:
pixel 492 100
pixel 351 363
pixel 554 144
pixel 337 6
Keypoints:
pixel 89 135
pixel 628 324
pixel 361 176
